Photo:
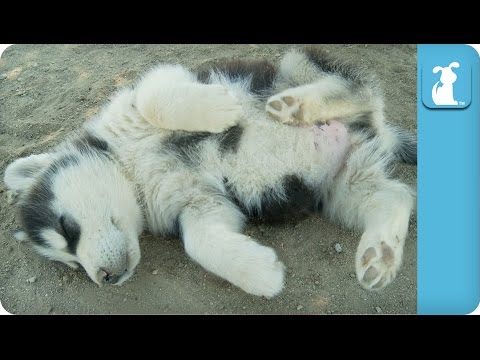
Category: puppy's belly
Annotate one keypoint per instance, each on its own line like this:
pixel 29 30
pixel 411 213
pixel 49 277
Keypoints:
pixel 331 142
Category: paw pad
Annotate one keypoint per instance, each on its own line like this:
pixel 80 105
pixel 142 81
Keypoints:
pixel 285 109
pixel 378 264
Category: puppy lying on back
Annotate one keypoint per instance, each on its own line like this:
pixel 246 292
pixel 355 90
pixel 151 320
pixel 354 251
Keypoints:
pixel 198 154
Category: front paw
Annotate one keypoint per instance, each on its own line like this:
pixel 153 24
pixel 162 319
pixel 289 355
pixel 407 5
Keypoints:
pixel 222 109
pixel 260 273
pixel 377 260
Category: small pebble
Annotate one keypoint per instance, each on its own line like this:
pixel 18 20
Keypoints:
pixel 352 275
pixel 155 272
pixel 11 197
pixel 338 248
pixel 378 309
pixel 299 307
pixel 3 76
pixel 32 279
pixel 317 282
pixel 65 278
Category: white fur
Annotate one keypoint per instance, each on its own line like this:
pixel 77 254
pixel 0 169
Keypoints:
pixel 170 98
pixel 362 196
pixel 54 239
pixel 211 236
pixel 99 197
pixel 21 174
pixel 21 236
pixel 108 214
pixel 139 120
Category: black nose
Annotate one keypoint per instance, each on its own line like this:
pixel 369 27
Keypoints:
pixel 109 278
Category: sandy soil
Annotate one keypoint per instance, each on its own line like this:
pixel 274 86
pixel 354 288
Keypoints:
pixel 48 90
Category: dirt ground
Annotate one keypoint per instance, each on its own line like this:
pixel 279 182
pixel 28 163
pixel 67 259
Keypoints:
pixel 48 90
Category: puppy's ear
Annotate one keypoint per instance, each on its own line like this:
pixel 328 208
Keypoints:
pixel 437 69
pixel 21 174
pixel 454 64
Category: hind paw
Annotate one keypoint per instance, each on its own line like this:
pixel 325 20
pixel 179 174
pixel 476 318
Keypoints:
pixel 286 109
pixel 377 261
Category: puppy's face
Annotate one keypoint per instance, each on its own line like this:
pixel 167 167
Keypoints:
pixel 79 208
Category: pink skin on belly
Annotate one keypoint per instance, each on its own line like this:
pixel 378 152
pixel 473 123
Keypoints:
pixel 331 141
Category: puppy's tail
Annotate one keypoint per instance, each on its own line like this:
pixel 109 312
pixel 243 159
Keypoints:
pixel 403 144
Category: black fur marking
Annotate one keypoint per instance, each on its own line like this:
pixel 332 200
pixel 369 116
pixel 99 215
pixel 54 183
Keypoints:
pixel 298 203
pixel 88 143
pixel 326 63
pixel 175 230
pixel 229 140
pixel 363 123
pixel 70 231
pixel 185 145
pixel 406 150
pixel 36 214
pixel 35 211
pixel 261 72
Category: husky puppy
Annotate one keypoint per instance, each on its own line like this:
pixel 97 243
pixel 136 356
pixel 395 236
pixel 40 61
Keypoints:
pixel 198 154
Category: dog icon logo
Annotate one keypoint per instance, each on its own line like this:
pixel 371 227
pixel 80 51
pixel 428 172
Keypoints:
pixel 443 94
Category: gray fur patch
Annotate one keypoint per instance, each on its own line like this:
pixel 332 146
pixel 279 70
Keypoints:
pixel 88 143
pixel 185 145
pixel 229 140
pixel 329 64
pixel 363 123
pixel 406 150
pixel 71 231
pixel 262 73
pixel 297 203
pixel 35 212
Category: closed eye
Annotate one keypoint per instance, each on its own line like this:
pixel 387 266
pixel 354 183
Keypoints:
pixel 70 231
pixel 65 234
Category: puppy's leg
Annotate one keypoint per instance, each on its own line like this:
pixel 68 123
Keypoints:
pixel 365 199
pixel 170 98
pixel 325 99
pixel 211 233
pixel 315 87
